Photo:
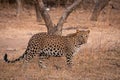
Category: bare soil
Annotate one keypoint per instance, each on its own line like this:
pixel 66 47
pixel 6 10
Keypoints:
pixel 99 59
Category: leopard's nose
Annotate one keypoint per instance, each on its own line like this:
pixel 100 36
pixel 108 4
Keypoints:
pixel 80 43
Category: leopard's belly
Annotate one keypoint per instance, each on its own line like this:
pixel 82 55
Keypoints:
pixel 50 51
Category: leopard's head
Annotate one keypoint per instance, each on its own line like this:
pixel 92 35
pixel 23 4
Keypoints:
pixel 82 36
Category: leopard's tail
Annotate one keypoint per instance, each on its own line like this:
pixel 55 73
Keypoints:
pixel 13 61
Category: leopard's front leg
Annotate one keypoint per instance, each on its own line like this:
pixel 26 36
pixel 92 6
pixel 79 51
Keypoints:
pixel 41 59
pixel 69 59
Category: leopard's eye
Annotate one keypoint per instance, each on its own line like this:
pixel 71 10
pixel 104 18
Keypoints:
pixel 81 35
pixel 85 35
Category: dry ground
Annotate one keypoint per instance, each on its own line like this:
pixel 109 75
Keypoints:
pixel 99 59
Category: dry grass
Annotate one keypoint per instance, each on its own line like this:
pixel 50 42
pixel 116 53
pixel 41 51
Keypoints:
pixel 99 59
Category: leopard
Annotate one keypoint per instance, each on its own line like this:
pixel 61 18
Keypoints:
pixel 44 46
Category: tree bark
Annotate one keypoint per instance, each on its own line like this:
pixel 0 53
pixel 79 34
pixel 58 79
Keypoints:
pixel 45 16
pixel 38 14
pixel 100 4
pixel 19 7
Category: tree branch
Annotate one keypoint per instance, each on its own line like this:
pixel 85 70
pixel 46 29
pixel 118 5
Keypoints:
pixel 65 15
pixel 19 7
pixel 38 14
pixel 45 15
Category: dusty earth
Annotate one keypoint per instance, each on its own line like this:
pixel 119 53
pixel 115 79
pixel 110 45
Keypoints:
pixel 99 59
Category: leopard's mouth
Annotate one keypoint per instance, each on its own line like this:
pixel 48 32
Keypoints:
pixel 77 46
pixel 81 43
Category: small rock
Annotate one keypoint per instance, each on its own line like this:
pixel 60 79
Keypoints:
pixel 11 49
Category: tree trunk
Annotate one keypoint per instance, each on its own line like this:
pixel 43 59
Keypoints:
pixel 100 4
pixel 58 3
pixel 19 7
pixel 55 29
pixel 38 14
